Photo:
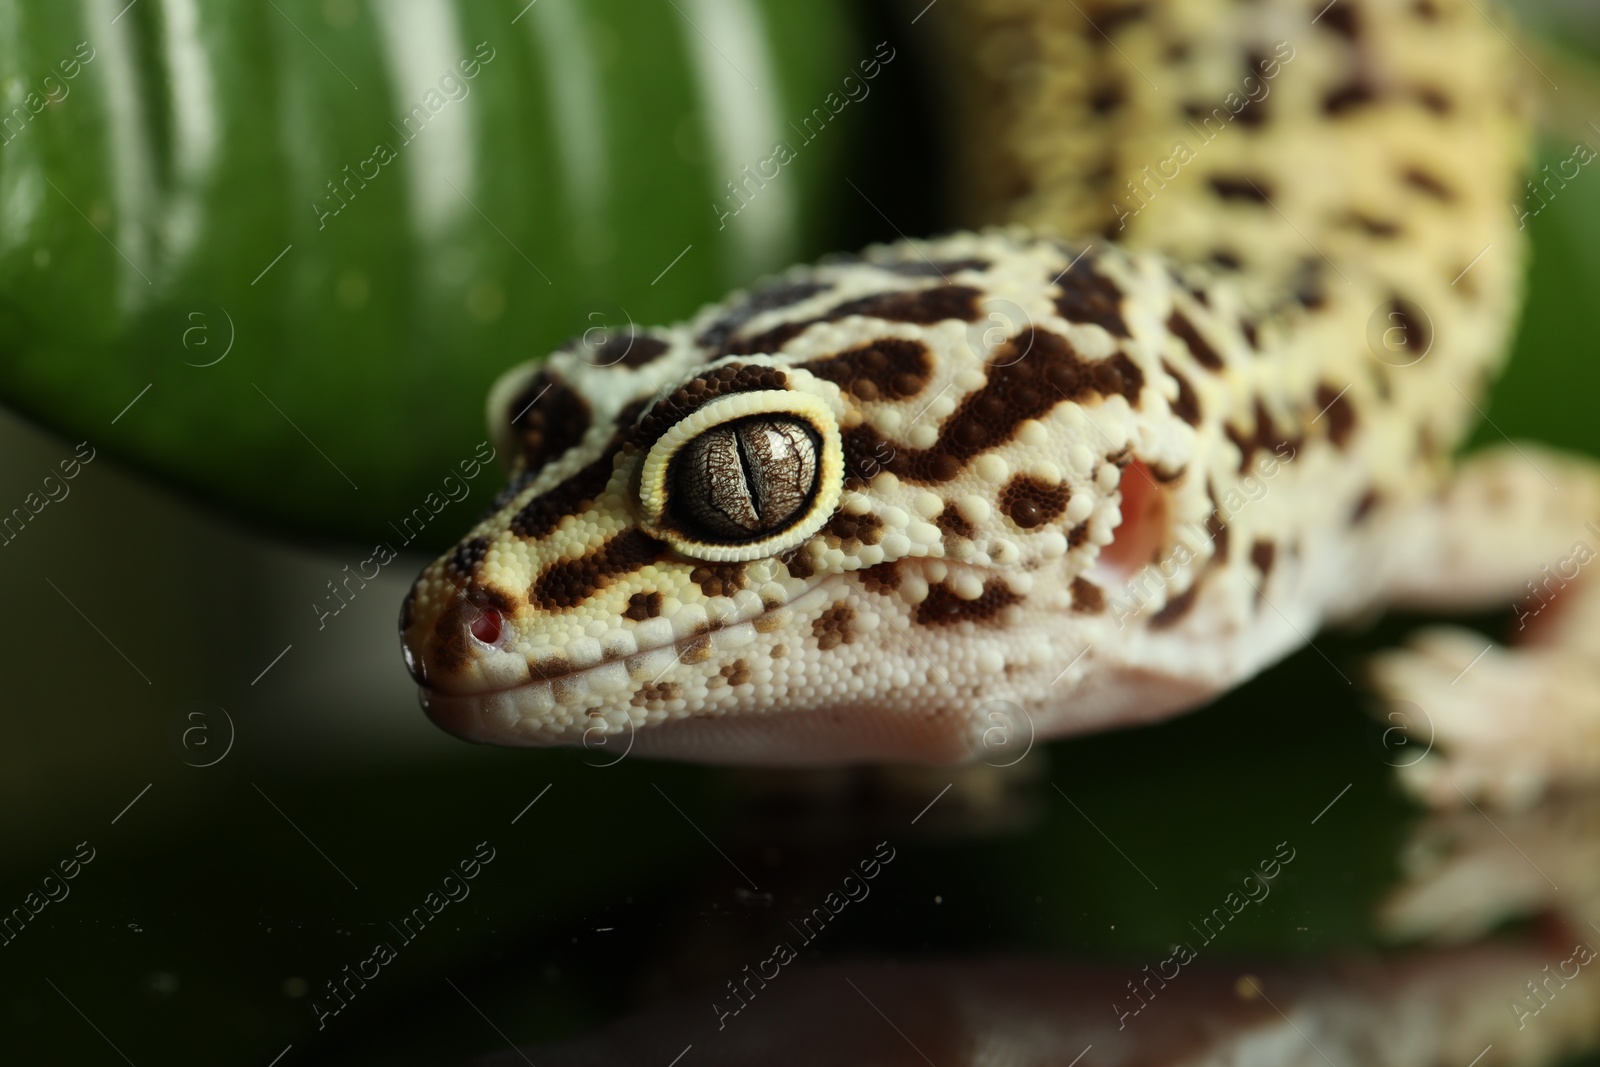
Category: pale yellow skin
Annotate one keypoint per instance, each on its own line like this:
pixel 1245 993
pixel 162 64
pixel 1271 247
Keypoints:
pixel 1277 325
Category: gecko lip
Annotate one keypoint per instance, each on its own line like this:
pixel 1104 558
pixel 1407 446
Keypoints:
pixel 566 707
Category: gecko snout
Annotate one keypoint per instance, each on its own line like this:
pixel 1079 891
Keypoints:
pixel 460 646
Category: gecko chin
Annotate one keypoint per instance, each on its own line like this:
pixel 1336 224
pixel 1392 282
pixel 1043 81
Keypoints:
pixel 745 736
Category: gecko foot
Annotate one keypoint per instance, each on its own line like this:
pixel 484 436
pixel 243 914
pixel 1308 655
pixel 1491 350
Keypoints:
pixel 1501 725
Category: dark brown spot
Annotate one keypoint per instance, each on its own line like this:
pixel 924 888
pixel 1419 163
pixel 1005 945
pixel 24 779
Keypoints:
pixel 1027 377
pixel 1383 229
pixel 642 606
pixel 1345 98
pixel 853 531
pixel 1262 554
pixel 1226 259
pixel 624 348
pixel 920 306
pixel 799 564
pixel 718 579
pixel 953 524
pixel 1435 100
pixel 1252 333
pixel 1106 21
pixel 1309 288
pixel 726 380
pixel 468 556
pixel 881 578
pixel 1176 608
pixel 570 583
pixel 1217 530
pixel 1078 534
pixel 1088 297
pixel 769 341
pixel 1426 10
pixel 890 369
pixel 1343 19
pixel 1369 500
pixel 630 413
pixel 866 455
pixel 1415 329
pixel 1187 405
pixel 1087 598
pixel 1265 437
pixel 1254 114
pixel 551 668
pixel 1427 182
pixel 548 417
pixel 656 693
pixel 697 650
pixel 735 673
pixel 544 513
pixel 1030 502
pixel 1239 188
pixel 1199 347
pixel 1340 413
pixel 832 627
pixel 943 608
pixel 1107 98
pixel 784 294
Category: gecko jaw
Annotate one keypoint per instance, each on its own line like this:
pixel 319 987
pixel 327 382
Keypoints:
pixel 569 707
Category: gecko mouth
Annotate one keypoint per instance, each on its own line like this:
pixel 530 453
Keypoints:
pixel 566 703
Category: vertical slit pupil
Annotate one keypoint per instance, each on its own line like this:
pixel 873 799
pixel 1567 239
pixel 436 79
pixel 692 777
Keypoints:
pixel 746 478
pixel 747 465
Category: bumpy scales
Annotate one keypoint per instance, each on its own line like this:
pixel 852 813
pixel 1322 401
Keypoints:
pixel 1197 397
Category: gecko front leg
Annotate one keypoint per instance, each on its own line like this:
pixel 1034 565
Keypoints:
pixel 1519 527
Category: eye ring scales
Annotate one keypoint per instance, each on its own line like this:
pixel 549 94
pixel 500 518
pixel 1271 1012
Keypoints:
pixel 748 475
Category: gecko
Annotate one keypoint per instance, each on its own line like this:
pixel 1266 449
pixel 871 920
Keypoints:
pixel 1190 389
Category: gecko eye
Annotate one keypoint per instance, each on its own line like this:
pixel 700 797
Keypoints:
pixel 744 476
pixel 745 479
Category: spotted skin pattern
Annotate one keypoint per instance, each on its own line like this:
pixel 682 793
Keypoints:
pixel 1094 464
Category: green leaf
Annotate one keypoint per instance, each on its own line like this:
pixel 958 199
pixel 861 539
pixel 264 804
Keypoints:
pixel 278 252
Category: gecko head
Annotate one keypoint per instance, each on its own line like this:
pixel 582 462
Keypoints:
pixel 801 529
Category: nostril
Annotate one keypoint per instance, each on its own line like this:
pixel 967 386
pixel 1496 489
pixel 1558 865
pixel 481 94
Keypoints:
pixel 488 626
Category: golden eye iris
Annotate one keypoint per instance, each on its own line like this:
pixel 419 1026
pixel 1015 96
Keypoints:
pixel 745 479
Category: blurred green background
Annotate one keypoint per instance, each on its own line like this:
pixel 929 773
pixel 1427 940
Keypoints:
pixel 587 155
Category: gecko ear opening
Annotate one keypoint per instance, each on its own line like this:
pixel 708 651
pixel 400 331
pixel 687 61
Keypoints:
pixel 1144 527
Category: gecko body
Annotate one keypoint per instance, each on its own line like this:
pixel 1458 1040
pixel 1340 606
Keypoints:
pixel 1086 468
